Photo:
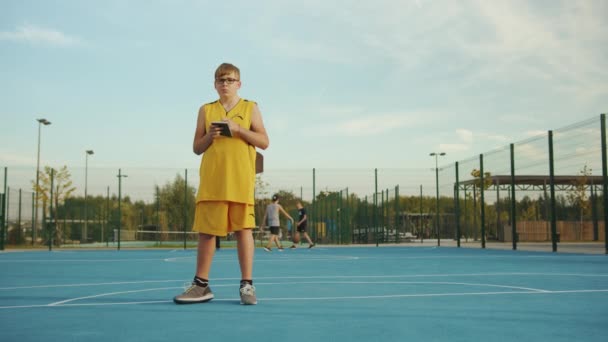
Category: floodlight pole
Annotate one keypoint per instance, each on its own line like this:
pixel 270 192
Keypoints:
pixel 436 155
pixel 86 176
pixel 40 123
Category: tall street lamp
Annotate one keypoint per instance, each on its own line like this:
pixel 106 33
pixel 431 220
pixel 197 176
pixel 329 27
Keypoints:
pixel 436 155
pixel 120 176
pixel 86 175
pixel 40 123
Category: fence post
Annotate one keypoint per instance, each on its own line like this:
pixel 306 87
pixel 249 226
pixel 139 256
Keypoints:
pixel 1 222
pixel 339 216
pixel 552 192
pixel 513 202
pixel 457 206
pixel 3 201
pixel 381 216
pixel 375 213
pixel 397 240
pixel 186 205
pixel 347 214
pixel 33 218
pixel 51 230
pixel 420 221
pixel 107 217
pixel 605 181
pixel 19 238
pixel 313 216
pixel 482 203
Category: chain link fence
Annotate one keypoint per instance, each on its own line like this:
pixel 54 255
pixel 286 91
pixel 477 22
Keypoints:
pixel 545 189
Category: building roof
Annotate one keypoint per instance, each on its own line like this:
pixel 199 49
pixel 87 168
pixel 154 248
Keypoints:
pixel 535 182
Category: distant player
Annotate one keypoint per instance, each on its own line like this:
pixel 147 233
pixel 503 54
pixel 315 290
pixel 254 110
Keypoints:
pixel 301 227
pixel 272 214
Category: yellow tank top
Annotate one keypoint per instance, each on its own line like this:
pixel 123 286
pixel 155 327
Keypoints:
pixel 227 171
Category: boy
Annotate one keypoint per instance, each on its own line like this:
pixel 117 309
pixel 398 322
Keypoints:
pixel 272 213
pixel 301 226
pixel 224 202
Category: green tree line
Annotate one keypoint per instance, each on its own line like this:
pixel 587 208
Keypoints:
pixel 340 212
pixel 171 210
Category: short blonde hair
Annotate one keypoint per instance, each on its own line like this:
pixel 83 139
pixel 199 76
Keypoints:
pixel 225 69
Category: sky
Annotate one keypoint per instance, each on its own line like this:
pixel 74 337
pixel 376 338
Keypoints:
pixel 340 84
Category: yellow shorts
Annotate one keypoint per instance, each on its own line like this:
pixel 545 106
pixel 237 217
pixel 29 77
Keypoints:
pixel 221 217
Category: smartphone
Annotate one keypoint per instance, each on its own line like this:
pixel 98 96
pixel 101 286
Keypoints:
pixel 224 126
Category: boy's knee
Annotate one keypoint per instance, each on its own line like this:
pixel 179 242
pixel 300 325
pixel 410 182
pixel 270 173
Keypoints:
pixel 243 232
pixel 204 236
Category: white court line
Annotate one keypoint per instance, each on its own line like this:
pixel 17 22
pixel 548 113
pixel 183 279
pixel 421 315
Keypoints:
pixel 292 259
pixel 434 295
pixel 193 257
pixel 175 259
pixel 318 277
pixel 90 284
pixel 462 294
pixel 282 257
pixel 440 275
pixel 308 283
pixel 482 257
pixel 109 294
pixel 78 260
pixel 321 258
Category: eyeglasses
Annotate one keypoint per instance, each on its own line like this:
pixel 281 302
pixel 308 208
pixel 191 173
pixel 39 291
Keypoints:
pixel 225 80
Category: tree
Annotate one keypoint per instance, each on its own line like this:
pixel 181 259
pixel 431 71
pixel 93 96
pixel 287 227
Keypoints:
pixel 261 193
pixel 62 189
pixel 578 197
pixel 527 209
pixel 173 202
pixel 288 199
pixel 487 181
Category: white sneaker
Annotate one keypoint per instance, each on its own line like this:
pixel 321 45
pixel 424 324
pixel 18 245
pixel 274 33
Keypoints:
pixel 247 293
pixel 194 294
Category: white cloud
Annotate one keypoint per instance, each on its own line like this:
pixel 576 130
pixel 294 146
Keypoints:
pixel 454 147
pixel 37 35
pixel 495 138
pixel 566 49
pixel 465 135
pixel 462 142
pixel 531 159
pixel 519 119
pixel 346 111
pixel 465 140
pixel 535 133
pixel 9 158
pixel 558 48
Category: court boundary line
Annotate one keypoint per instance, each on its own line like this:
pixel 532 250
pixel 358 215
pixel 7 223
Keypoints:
pixel 316 277
pixel 309 283
pixel 548 292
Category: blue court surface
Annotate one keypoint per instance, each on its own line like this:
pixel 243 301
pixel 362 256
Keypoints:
pixel 321 294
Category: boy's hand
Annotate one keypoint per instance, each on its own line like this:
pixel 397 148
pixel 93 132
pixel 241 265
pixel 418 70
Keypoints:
pixel 215 131
pixel 235 128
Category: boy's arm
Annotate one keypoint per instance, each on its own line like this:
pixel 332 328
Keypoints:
pixel 285 213
pixel 256 135
pixel 202 138
pixel 302 220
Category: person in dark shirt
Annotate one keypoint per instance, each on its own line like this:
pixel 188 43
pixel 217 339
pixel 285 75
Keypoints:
pixel 301 227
